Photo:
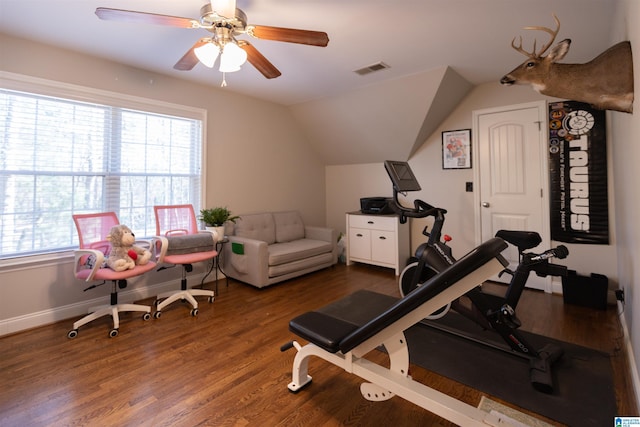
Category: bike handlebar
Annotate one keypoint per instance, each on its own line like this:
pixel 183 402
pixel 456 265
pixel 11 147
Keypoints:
pixel 540 265
pixel 421 209
pixel 559 252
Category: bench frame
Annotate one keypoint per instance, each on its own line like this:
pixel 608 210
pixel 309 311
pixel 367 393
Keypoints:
pixel 384 383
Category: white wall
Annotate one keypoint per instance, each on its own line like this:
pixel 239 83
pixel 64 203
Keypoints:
pixel 443 188
pixel 387 118
pixel 257 159
pixel 620 260
pixel 257 154
pixel 446 188
pixel 626 160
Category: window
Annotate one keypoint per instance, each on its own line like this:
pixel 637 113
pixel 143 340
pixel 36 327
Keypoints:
pixel 60 156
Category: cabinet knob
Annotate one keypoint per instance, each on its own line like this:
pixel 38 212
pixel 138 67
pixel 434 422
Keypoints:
pixel 370 222
pixel 358 235
pixel 382 238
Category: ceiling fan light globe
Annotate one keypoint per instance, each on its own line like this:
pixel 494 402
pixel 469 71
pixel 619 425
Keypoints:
pixel 229 69
pixel 207 54
pixel 232 57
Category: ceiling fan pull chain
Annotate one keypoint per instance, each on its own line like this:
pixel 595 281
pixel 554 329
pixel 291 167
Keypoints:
pixel 224 81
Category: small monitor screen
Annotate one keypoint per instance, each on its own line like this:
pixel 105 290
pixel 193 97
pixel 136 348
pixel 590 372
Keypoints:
pixel 402 176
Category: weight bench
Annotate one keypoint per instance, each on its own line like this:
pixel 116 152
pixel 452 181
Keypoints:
pixel 344 331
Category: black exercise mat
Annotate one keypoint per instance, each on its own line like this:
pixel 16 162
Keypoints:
pixel 583 378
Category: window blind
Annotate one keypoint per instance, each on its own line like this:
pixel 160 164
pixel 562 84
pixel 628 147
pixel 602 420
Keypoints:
pixel 63 156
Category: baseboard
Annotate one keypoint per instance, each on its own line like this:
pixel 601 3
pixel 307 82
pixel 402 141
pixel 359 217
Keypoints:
pixel 510 415
pixel 633 368
pixel 56 314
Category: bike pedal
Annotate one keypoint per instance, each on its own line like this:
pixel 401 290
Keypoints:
pixel 511 321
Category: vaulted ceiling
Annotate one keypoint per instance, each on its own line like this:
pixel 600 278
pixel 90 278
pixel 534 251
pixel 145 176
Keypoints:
pixel 441 47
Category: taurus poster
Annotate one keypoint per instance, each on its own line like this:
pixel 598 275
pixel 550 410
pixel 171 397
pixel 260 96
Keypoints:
pixel 578 173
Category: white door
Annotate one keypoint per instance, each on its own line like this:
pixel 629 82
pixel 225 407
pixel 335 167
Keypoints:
pixel 512 177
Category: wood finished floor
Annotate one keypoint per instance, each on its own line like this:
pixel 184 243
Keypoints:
pixel 224 367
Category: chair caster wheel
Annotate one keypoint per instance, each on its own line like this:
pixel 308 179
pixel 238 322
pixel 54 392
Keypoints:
pixel 113 333
pixel 157 314
pixel 146 316
pixel 72 334
pixel 194 312
pixel 211 299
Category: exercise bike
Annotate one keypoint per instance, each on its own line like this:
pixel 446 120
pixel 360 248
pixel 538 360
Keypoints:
pixel 492 312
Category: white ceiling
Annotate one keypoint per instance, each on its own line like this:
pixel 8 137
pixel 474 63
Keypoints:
pixel 412 36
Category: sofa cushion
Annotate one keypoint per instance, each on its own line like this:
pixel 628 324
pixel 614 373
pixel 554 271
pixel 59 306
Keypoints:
pixel 259 226
pixel 300 265
pixel 289 226
pixel 282 253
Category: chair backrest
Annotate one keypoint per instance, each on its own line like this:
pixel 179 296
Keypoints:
pixel 173 220
pixel 93 229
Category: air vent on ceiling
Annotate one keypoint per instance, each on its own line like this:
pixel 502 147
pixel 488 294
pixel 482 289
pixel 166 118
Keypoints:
pixel 371 68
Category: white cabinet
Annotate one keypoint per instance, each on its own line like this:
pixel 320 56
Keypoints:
pixel 378 240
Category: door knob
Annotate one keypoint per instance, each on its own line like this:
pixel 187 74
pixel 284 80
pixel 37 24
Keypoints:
pixel 486 204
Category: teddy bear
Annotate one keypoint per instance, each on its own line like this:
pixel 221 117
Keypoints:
pixel 124 254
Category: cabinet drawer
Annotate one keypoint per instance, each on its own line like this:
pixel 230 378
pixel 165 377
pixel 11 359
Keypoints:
pixel 373 222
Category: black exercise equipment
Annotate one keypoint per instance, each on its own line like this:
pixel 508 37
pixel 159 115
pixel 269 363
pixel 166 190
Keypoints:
pixel 343 332
pixel 492 312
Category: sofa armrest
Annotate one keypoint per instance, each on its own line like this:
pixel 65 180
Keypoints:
pixel 252 266
pixel 320 233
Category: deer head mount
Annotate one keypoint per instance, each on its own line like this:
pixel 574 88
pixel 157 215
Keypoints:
pixel 606 82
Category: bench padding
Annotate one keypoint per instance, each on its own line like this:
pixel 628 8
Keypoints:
pixel 345 331
pixel 346 323
pixel 321 329
pixel 327 326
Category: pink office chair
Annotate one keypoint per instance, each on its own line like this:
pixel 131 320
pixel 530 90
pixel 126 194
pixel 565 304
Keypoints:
pixel 173 222
pixel 92 231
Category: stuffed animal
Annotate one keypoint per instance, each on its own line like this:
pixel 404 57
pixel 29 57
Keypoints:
pixel 124 254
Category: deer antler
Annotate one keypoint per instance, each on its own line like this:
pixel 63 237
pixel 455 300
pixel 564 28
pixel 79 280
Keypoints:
pixel 521 50
pixel 533 54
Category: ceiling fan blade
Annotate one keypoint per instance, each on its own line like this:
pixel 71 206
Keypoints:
pixel 189 60
pixel 289 35
pixel 145 18
pixel 258 60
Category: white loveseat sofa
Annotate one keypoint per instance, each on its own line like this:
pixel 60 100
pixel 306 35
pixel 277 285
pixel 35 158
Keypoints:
pixel 269 247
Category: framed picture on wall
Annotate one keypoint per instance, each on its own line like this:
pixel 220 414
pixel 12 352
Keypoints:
pixel 456 149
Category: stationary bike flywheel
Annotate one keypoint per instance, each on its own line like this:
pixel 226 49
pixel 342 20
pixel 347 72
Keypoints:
pixel 406 284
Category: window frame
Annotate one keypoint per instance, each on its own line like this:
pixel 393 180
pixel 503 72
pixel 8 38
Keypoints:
pixel 72 92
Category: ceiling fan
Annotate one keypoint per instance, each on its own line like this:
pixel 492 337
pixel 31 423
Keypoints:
pixel 225 22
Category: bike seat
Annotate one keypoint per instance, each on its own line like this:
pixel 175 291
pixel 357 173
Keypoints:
pixel 521 239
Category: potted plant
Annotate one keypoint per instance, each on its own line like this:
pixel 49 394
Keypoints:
pixel 215 218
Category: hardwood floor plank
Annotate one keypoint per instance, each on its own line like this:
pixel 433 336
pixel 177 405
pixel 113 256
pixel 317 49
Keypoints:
pixel 224 367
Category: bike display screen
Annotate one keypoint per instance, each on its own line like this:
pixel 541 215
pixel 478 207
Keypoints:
pixel 402 176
